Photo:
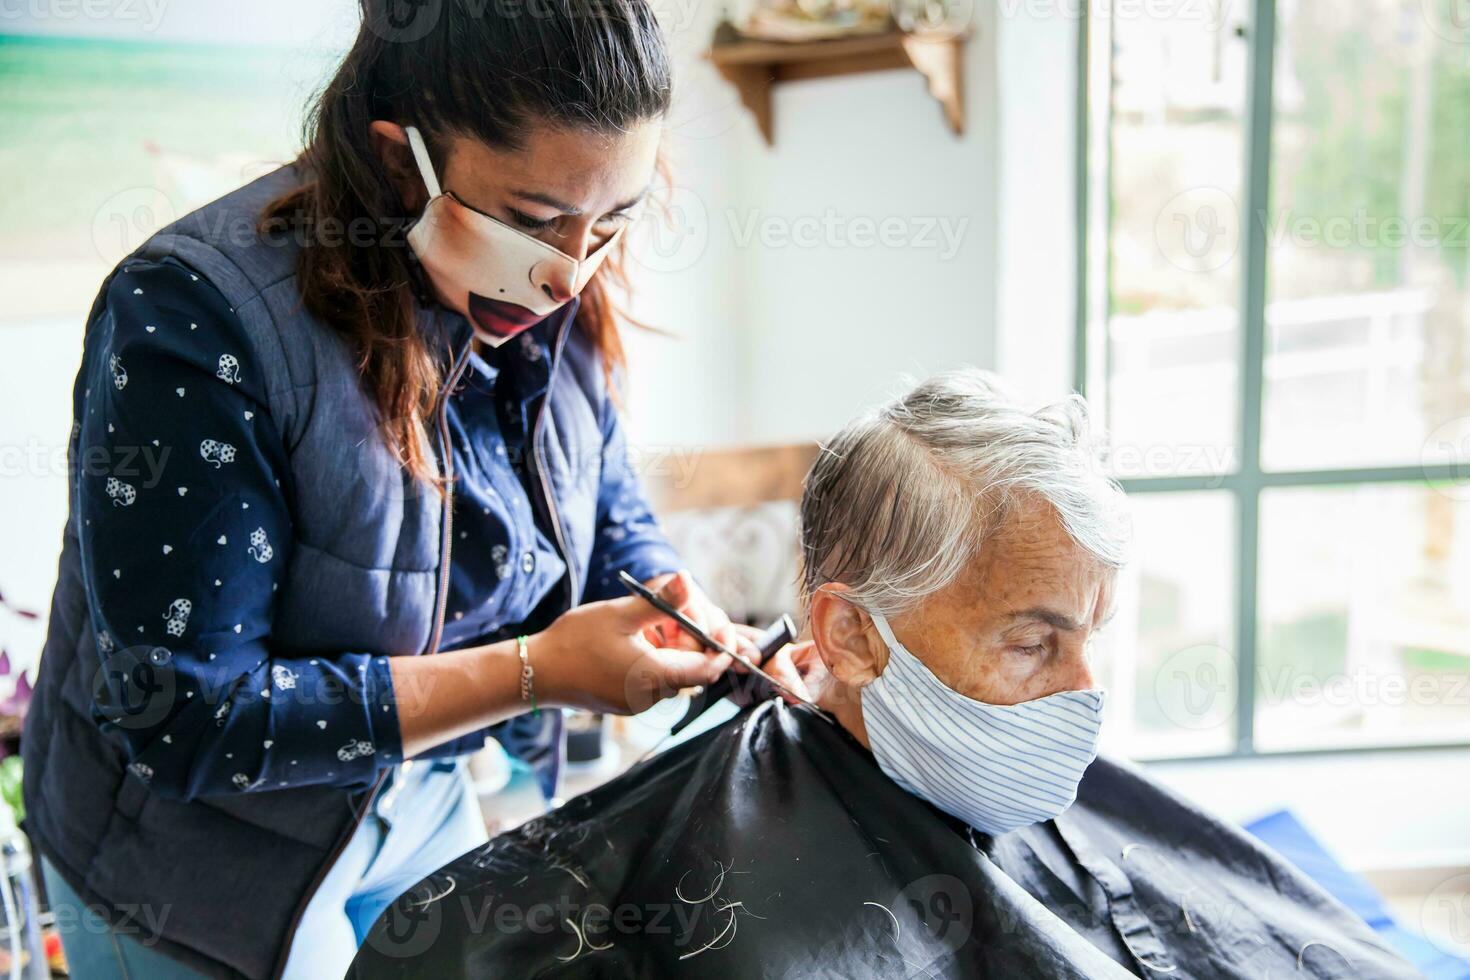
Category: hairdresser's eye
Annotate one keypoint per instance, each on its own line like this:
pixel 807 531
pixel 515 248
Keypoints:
pixel 529 223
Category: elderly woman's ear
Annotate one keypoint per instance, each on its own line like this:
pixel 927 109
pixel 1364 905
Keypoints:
pixel 849 645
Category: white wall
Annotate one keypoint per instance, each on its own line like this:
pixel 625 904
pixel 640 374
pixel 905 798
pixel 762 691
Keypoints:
pixel 686 386
pixel 861 245
pixel 791 321
pixel 830 327
pixel 1035 260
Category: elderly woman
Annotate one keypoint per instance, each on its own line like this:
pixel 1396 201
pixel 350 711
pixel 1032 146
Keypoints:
pixel 959 555
pixel 941 811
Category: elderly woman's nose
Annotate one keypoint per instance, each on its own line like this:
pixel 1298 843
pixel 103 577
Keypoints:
pixel 1076 674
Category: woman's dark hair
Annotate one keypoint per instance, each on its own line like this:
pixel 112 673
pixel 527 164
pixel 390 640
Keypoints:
pixel 481 69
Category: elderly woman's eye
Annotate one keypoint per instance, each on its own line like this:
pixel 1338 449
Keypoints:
pixel 1034 650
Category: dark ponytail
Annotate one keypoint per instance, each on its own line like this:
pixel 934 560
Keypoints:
pixel 482 69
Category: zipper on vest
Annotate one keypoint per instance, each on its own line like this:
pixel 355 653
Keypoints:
pixel 446 539
pixel 442 599
pixel 337 848
pixel 539 463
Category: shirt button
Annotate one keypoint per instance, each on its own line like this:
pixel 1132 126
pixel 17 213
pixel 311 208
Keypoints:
pixel 528 563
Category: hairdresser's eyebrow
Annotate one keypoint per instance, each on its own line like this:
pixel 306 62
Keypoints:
pixel 625 205
pixel 571 209
pixel 1051 617
pixel 546 199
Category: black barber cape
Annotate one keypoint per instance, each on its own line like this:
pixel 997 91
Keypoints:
pixel 774 846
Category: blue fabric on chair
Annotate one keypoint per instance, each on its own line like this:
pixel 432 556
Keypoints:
pixel 1284 833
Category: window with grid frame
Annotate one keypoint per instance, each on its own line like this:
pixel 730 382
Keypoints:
pixel 1274 329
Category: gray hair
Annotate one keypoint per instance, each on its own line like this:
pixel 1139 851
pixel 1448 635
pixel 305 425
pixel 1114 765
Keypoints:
pixel 904 497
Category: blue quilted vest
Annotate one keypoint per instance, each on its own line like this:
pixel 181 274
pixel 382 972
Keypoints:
pixel 368 571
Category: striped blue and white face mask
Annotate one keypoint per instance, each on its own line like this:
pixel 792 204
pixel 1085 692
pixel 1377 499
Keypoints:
pixel 996 767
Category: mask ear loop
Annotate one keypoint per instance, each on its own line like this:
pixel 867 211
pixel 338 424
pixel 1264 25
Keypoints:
pixel 421 157
pixel 884 630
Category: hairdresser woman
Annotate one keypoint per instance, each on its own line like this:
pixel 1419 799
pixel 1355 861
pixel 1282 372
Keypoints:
pixel 371 446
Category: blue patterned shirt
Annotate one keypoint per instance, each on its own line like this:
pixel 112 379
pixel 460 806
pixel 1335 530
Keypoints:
pixel 186 534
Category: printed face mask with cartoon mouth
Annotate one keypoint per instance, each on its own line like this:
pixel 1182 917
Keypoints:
pixel 503 280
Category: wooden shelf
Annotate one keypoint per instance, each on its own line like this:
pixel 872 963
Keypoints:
pixel 755 67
